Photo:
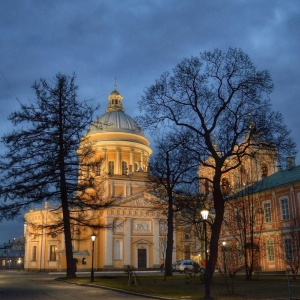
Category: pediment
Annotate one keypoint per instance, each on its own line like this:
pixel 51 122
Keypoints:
pixel 141 200
pixel 142 242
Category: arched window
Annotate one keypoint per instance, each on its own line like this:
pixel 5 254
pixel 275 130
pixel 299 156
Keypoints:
pixel 124 168
pixel 264 170
pixel 225 186
pixel 111 168
pixel 84 261
pixel 136 166
pixel 243 176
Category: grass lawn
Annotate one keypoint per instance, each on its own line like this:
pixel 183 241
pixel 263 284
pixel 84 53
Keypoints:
pixel 183 287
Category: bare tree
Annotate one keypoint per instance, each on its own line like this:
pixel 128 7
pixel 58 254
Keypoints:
pixel 243 223
pixel 190 223
pixel 172 171
pixel 231 262
pixel 290 245
pixel 41 163
pixel 218 97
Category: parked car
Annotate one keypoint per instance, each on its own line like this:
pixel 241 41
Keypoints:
pixel 175 265
pixel 185 266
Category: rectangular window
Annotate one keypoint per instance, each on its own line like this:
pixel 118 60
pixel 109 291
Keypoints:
pixel 53 250
pixel 288 249
pixel 270 250
pixel 110 168
pixel 33 254
pixel 117 249
pixel 284 205
pixel 267 212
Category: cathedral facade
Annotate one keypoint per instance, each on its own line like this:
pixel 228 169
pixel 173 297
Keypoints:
pixel 134 230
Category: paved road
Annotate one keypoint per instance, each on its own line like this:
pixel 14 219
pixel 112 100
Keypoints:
pixel 20 285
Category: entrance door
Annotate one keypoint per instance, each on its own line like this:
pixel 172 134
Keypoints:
pixel 142 258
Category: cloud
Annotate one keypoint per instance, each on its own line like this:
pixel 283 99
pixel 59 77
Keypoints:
pixel 136 41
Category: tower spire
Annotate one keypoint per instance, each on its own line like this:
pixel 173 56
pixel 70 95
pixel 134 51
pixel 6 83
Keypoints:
pixel 115 100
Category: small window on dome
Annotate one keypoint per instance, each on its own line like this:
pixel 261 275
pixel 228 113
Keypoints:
pixel 124 168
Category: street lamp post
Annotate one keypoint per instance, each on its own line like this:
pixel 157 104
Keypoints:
pixel 93 237
pixel 204 214
pixel 224 256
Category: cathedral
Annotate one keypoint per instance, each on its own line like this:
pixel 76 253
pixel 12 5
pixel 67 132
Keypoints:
pixel 134 229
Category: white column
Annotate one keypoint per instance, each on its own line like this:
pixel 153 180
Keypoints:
pixel 127 242
pixel 157 249
pixel 131 161
pixel 174 245
pixel 105 162
pixel 108 248
pixel 142 160
pixel 118 166
pixel 27 242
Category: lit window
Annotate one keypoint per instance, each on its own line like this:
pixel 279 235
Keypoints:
pixel 53 250
pixel 270 250
pixel 110 168
pixel 267 212
pixel 285 213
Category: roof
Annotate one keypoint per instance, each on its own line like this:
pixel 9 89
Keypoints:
pixel 280 178
pixel 114 119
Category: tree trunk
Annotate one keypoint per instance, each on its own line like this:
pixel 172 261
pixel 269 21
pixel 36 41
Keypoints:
pixel 169 250
pixel 214 240
pixel 71 272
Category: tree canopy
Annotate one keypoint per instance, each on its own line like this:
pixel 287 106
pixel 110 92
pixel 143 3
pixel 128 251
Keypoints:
pixel 223 102
pixel 41 163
